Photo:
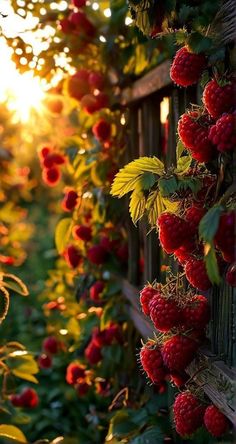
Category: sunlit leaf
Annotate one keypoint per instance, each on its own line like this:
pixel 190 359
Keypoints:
pixel 62 234
pixel 12 433
pixel 15 284
pixel 4 303
pixel 137 205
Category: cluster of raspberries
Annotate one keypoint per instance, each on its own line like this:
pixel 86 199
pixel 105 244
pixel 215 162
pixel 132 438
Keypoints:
pixel 214 129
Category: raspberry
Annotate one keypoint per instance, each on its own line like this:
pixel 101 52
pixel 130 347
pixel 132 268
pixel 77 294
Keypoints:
pixel 79 3
pixel 51 176
pixel 188 414
pixel 218 99
pixel 50 345
pixel 77 85
pixel 187 67
pixel 69 201
pixel 97 255
pixel 172 231
pixel 231 275
pixel 45 361
pixel 193 216
pixel 152 362
pixel 44 152
pixel 102 130
pixel 93 353
pixel 179 380
pixel 196 274
pixel 29 398
pixel 89 103
pixel 122 253
pixel 96 291
pixel 182 256
pixel 178 352
pixel 82 388
pixel 16 400
pixel 164 313
pixel 223 133
pixel 82 232
pixel 113 333
pixel 82 24
pixel 216 423
pixel 193 132
pixel 146 296
pixel 72 256
pixel 96 81
pixel 196 314
pixel 226 236
pixel 75 372
pixel 66 26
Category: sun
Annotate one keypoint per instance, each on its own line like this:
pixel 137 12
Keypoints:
pixel 21 92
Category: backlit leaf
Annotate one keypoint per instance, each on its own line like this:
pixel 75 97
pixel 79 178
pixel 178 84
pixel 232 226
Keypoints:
pixel 62 234
pixel 137 205
pixel 12 433
pixel 4 303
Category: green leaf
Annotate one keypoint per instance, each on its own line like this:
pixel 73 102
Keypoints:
pixel 183 165
pixel 62 234
pixel 12 433
pixel 147 181
pixel 121 424
pixel 212 265
pixel 4 303
pixel 137 206
pixel 199 43
pixel 209 223
pixel 128 177
pixel 152 435
pixel 15 284
pixel 167 185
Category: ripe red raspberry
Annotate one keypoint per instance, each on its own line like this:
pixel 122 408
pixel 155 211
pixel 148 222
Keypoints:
pixel 231 275
pixel 51 176
pixel 226 235
pixel 82 24
pixel 75 372
pixel 89 103
pixel 29 398
pixel 66 26
pixel 96 81
pixel 45 361
pixel 196 314
pixel 196 274
pixel 72 256
pixel 223 133
pixel 152 362
pixel 97 255
pixel 82 388
pixel 96 291
pixel 164 313
pixel 178 352
pixel 193 216
pixel 182 256
pixel 44 152
pixel 187 67
pixel 69 201
pixel 51 345
pixel 93 353
pixel 122 253
pixel 172 231
pixel 77 85
pixel 79 3
pixel 216 423
pixel 193 131
pixel 188 413
pixel 102 130
pixel 179 380
pixel 82 232
pixel 218 99
pixel 146 296
pixel 16 400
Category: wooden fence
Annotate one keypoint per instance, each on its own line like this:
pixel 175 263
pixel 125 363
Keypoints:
pixel 155 105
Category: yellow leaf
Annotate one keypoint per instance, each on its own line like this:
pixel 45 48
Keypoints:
pixel 62 234
pixel 137 205
pixel 25 376
pixel 4 303
pixel 12 433
pixel 14 283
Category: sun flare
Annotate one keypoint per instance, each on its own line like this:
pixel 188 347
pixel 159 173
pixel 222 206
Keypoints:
pixel 21 92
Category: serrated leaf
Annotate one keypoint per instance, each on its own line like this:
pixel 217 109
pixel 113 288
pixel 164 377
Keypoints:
pixel 152 435
pixel 137 205
pixel 209 224
pixel 4 303
pixel 153 207
pixel 147 181
pixel 179 150
pixel 183 165
pixel 170 206
pixel 212 265
pixel 12 433
pixel 167 185
pixel 199 43
pixel 14 283
pixel 62 234
pixel 127 178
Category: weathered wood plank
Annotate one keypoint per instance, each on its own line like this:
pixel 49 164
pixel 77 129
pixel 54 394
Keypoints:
pixel 217 380
pixel 155 80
